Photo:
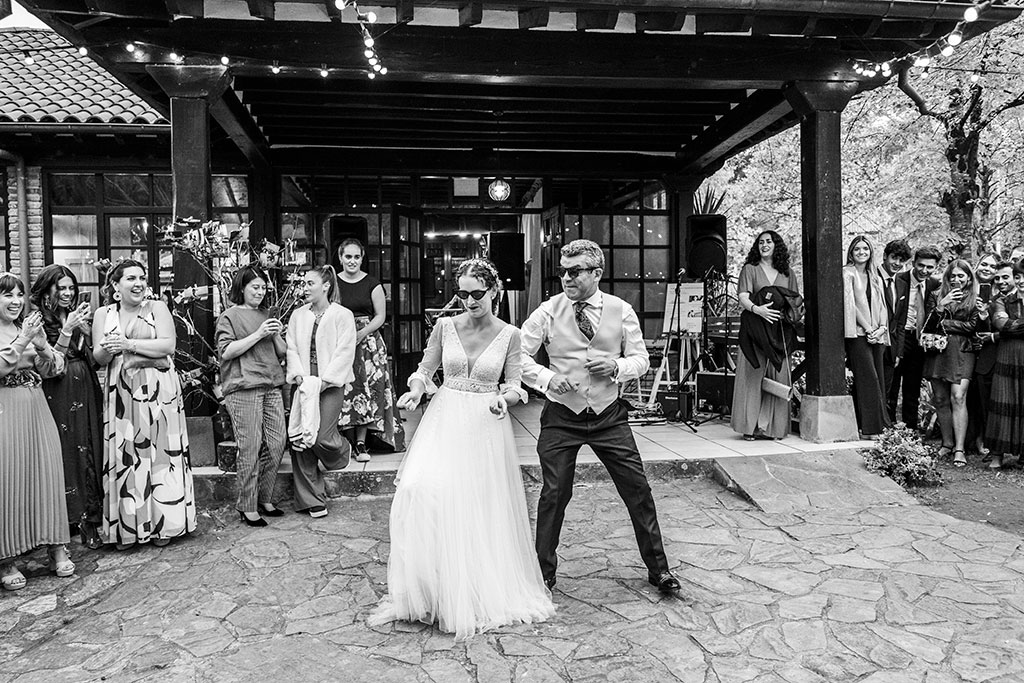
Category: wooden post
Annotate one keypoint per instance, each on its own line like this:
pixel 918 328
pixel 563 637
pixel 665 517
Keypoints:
pixel 827 408
pixel 264 206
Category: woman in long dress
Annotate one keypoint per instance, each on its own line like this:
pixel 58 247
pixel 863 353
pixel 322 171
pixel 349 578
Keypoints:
pixel 75 398
pixel 867 335
pixel 756 413
pixel 33 511
pixel 1004 430
pixel 147 477
pixel 461 550
pixel 369 407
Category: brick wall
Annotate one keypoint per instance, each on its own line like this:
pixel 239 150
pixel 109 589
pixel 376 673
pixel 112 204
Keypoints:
pixel 34 193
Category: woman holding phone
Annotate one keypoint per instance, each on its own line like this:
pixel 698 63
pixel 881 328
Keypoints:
pixel 74 397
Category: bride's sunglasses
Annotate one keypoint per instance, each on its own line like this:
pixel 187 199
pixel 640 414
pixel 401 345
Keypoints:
pixel 477 294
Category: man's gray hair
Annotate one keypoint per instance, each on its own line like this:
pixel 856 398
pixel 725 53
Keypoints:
pixel 595 257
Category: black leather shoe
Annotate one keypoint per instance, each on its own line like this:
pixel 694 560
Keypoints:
pixel 664 582
pixel 549 582
pixel 252 522
pixel 271 512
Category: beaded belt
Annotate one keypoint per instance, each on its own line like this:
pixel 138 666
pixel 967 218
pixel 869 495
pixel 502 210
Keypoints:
pixel 21 378
pixel 471 385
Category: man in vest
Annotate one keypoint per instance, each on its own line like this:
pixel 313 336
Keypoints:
pixel 593 341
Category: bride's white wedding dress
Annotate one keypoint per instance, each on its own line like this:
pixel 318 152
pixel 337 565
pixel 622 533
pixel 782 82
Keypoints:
pixel 462 554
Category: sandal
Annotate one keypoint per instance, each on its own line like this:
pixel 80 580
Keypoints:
pixel 62 568
pixel 11 579
pixel 90 536
pixel 749 437
pixel 944 450
pixel 996 463
pixel 959 460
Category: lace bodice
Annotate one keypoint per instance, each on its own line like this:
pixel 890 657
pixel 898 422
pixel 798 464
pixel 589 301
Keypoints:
pixel 479 375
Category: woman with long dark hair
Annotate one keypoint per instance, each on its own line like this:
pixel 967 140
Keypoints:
pixel 953 310
pixel 147 476
pixel 33 510
pixel 251 348
pixel 1004 430
pixel 321 346
pixel 74 396
pixel 867 335
pixel 755 412
pixel 369 407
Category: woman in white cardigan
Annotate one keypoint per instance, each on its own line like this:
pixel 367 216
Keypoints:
pixel 867 335
pixel 321 348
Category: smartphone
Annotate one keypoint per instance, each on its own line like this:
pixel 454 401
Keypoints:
pixel 985 291
pixel 83 297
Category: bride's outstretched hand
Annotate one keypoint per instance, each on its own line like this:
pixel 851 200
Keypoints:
pixel 499 406
pixel 410 400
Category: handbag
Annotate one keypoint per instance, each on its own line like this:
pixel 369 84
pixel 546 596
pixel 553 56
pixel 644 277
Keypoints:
pixel 933 342
pixel 134 361
pixel 775 387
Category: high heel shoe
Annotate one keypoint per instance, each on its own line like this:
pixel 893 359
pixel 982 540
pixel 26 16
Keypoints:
pixel 253 522
pixel 271 511
pixel 62 568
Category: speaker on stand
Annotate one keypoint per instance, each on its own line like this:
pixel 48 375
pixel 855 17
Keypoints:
pixel 506 251
pixel 707 245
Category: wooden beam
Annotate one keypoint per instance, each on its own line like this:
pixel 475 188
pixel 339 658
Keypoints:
pixel 596 19
pixel 659 21
pixel 471 13
pixel 236 121
pixel 360 140
pixel 332 10
pixel 126 8
pixel 193 82
pixel 533 17
pixel 261 9
pixel 404 10
pixel 641 116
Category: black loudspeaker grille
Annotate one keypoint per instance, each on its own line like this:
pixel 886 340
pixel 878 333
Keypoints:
pixel 707 245
pixel 505 249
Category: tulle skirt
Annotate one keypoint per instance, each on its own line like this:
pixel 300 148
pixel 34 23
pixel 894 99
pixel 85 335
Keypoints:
pixel 462 554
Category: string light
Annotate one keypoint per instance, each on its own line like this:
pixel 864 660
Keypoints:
pixel 368 18
pixel 276 68
pixel 130 47
pixel 83 51
pixel 955 38
pixel 371 75
pixel 324 73
pixel 368 41
pixel 975 77
pixel 946 50
pixel 225 60
pixel 29 59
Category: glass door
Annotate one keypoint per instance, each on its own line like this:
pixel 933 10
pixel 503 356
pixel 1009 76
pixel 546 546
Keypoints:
pixel 406 290
pixel 552 223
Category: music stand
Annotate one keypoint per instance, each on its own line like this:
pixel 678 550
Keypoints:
pixel 705 359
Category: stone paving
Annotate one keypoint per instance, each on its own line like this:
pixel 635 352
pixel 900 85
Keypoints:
pixel 878 595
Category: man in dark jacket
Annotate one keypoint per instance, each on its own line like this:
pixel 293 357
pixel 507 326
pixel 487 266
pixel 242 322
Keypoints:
pixel 912 288
pixel 895 256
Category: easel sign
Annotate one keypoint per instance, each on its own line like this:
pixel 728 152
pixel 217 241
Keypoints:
pixel 687 319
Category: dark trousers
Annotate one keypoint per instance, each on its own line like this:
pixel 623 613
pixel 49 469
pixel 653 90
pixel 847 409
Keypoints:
pixel 865 361
pixel 331 448
pixel 562 433
pixel 908 374
pixel 888 372
pixel 979 391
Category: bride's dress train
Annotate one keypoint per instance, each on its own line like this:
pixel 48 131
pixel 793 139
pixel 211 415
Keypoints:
pixel 462 554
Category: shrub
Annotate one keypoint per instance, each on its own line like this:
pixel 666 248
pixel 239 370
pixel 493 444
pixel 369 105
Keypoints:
pixel 901 455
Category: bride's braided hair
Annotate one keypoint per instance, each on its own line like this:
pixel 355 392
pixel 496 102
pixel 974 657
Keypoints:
pixel 484 271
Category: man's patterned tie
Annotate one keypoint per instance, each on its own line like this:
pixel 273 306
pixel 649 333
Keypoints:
pixel 582 320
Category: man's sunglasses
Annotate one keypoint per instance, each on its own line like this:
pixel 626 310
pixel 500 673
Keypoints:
pixel 574 272
pixel 477 294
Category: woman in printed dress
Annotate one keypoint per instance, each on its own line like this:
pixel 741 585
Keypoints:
pixel 147 478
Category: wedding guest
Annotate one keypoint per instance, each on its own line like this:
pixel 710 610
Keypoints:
pixel 33 508
pixel 74 397
pixel 461 548
pixel 369 405
pixel 867 335
pixel 251 349
pixel 1004 430
pixel 894 258
pixel 147 475
pixel 953 311
pixel 321 347
pixel 984 341
pixel 756 413
pixel 913 287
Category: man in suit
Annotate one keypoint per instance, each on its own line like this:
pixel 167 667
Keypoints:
pixel 593 342
pixel 895 256
pixel 995 279
pixel 912 288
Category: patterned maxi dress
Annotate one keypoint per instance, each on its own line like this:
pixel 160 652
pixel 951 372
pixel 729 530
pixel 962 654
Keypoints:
pixel 462 554
pixel 147 478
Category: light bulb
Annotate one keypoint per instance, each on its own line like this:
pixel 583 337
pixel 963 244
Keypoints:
pixel 82 51
pixel 975 77
pixel 276 69
pixel 947 50
pixel 886 68
pixel 224 60
pixel 923 61
pixel 367 53
pixel 371 17
pixel 383 71
pixel 368 41
pixel 971 14
pixel 371 75
pixel 174 56
pixel 130 47
pixel 323 71
pixel 499 190
pixel 377 67
pixel 29 59
pixel 925 73
pixel 373 60
pixel 955 38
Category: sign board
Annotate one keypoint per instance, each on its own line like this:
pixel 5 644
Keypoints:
pixel 687 317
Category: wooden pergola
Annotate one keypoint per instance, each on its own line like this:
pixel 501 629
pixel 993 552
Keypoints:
pixel 665 89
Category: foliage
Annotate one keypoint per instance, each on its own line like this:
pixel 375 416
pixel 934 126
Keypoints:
pixel 708 200
pixel 901 455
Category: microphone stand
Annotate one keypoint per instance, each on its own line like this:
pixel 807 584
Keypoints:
pixel 705 359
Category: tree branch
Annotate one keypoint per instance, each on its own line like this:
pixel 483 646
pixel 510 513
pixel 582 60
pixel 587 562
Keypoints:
pixel 996 111
pixel 903 82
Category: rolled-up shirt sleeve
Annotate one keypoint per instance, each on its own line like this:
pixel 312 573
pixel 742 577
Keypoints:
pixel 533 333
pixel 635 361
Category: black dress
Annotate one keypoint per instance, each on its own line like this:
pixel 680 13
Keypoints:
pixel 1004 429
pixel 956 361
pixel 75 401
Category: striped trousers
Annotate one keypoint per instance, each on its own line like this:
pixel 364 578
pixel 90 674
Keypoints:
pixel 257 416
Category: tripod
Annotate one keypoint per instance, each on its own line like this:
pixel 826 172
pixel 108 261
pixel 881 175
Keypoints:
pixel 704 359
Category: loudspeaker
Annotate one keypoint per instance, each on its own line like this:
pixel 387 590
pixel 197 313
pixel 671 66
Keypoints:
pixel 707 245
pixel 715 389
pixel 342 228
pixel 505 249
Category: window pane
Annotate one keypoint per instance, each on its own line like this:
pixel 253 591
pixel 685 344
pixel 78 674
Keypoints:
pixel 655 230
pixel 655 198
pixel 372 228
pixel 295 226
pixel 125 190
pixel 627 229
pixel 403 228
pixel 652 327
pixel 629 292
pixel 128 231
pixel 72 189
pixel 572 229
pixel 230 191
pixel 655 264
pixel 654 296
pixel 232 221
pixel 163 190
pixel 80 261
pixel 414 261
pixel 139 255
pixel 627 264
pixel 385 229
pixel 403 299
pixel 595 227
pixel 74 231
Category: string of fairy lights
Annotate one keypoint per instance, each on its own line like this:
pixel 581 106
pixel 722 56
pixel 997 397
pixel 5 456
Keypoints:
pixel 923 58
pixel 374 64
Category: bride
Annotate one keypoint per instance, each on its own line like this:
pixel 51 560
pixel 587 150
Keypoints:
pixel 461 550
